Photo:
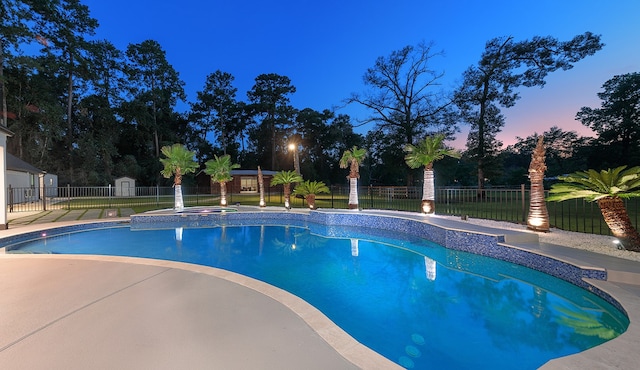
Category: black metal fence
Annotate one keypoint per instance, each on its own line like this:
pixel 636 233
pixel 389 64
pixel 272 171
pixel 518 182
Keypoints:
pixel 503 204
pixel 513 205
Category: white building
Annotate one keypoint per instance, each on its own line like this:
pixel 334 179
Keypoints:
pixel 27 181
pixel 125 187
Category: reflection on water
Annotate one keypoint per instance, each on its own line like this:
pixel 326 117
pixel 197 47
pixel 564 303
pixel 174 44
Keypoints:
pixel 415 302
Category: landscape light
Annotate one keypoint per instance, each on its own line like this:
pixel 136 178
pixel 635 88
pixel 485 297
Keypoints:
pixel 619 244
pixel 536 221
pixel 426 207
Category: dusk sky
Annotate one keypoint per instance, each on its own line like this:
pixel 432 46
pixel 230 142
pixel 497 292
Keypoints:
pixel 325 47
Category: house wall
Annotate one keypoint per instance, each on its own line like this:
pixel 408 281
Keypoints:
pixel 50 184
pixel 235 185
pixel 24 186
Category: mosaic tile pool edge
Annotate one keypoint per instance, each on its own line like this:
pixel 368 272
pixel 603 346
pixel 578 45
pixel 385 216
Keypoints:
pixel 8 241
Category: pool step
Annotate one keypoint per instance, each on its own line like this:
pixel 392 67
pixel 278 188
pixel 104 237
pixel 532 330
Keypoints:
pixel 618 270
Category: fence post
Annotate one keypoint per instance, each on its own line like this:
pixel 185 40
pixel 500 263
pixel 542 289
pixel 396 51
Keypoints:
pixel 524 216
pixel 44 196
pixel 371 196
pixel 68 197
pixel 332 190
pixel 10 198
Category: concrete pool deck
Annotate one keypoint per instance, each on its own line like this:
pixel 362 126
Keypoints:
pixel 78 312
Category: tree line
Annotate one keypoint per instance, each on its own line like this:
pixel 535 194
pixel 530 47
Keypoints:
pixel 89 112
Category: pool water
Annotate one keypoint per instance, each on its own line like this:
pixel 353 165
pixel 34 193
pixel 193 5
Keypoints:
pixel 416 303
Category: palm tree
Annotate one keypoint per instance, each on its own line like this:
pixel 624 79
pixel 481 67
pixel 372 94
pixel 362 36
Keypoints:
pixel 608 188
pixel 353 159
pixel 309 190
pixel 219 168
pixel 424 154
pixel 286 178
pixel 538 219
pixel 178 162
pixel 261 188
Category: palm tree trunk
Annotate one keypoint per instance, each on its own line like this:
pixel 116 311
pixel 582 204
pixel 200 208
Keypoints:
pixel 616 216
pixel 311 201
pixel 353 184
pixel 177 184
pixel 223 193
pixel 538 219
pixel 287 196
pixel 179 204
pixel 261 187
pixel 353 193
pixel 428 192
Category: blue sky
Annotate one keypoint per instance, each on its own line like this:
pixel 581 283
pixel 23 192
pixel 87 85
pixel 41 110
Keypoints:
pixel 325 47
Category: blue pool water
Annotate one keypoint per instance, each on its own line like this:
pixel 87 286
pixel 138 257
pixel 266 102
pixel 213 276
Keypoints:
pixel 418 304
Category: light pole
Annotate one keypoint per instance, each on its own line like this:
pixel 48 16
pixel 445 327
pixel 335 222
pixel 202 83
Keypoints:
pixel 296 160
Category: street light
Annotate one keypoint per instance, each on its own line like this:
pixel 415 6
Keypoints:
pixel 296 160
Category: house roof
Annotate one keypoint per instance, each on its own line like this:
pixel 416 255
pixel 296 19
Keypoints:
pixel 4 130
pixel 16 164
pixel 252 172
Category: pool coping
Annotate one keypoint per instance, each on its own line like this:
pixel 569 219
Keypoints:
pixel 618 353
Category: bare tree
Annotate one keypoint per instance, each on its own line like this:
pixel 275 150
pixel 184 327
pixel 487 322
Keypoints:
pixel 404 96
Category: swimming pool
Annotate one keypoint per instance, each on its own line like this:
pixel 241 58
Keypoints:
pixel 417 303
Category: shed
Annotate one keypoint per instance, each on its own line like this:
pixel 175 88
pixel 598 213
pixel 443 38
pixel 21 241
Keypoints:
pixel 125 187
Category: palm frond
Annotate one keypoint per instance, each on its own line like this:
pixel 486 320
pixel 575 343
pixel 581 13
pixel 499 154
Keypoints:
pixel 572 193
pixel 594 185
pixel 355 154
pixel 178 160
pixel 629 195
pixel 311 187
pixel 285 177
pixel 428 151
pixel 219 168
